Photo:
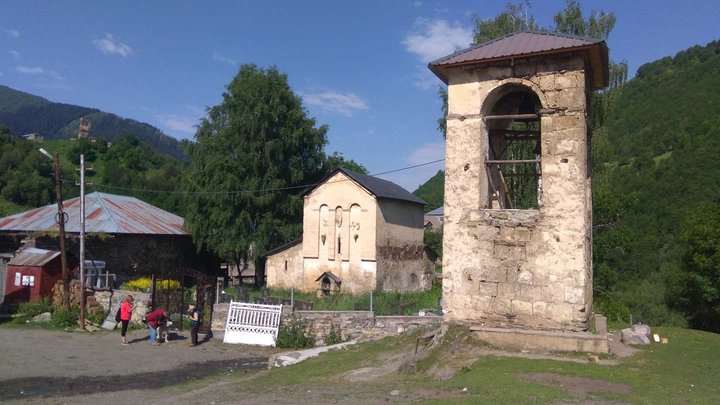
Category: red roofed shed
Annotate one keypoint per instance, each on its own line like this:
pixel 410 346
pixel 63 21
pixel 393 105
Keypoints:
pixel 31 275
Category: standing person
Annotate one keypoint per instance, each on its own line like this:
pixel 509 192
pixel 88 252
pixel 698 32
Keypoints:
pixel 155 319
pixel 126 310
pixel 194 324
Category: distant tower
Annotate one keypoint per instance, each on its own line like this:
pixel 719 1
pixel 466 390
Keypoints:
pixel 518 209
pixel 84 131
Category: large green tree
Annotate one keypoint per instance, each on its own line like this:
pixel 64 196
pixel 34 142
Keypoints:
pixel 250 157
pixel 700 281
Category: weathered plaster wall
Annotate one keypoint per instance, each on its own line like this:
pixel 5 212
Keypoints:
pixel 401 261
pixel 285 268
pixel 527 268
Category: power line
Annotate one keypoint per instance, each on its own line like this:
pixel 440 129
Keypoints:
pixel 266 190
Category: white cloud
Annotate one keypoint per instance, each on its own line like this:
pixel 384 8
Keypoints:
pixel 177 122
pixel 334 102
pixel 13 33
pixel 15 54
pixel 112 46
pixel 433 39
pixel 436 38
pixel 27 70
pixel 222 58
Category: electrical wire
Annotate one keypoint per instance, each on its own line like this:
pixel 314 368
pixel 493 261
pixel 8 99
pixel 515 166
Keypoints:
pixel 252 191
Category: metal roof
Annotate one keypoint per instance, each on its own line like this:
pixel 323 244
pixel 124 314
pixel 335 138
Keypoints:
pixel 380 188
pixel 525 44
pixel 33 257
pixel 104 213
pixel 437 212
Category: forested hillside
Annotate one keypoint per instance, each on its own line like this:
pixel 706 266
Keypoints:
pixel 24 113
pixel 128 166
pixel 656 165
pixel 432 191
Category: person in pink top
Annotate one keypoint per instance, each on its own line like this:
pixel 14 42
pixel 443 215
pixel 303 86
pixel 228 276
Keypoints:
pixel 125 315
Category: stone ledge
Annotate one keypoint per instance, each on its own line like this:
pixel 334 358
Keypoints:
pixel 539 340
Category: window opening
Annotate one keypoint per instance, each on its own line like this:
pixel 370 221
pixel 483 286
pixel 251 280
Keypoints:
pixel 513 161
pixel 339 245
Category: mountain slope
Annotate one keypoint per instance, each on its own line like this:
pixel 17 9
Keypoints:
pixel 432 191
pixel 24 113
pixel 656 162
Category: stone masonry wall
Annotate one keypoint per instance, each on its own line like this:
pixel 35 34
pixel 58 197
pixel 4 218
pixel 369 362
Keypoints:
pixel 352 324
pixel 519 268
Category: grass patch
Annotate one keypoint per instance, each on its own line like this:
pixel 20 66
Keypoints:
pixel 683 371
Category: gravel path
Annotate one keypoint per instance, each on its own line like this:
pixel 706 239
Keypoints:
pixel 39 365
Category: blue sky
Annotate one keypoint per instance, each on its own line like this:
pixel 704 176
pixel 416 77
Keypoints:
pixel 359 66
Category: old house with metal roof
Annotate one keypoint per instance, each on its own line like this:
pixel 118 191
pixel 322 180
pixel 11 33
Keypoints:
pixel 517 237
pixel 434 219
pixel 360 233
pixel 132 237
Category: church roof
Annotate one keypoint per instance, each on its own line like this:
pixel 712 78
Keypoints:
pixel 378 187
pixel 104 213
pixel 527 44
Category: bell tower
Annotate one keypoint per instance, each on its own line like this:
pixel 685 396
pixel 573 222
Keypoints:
pixel 518 209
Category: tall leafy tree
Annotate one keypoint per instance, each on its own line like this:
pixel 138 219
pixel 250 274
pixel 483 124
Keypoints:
pixel 248 154
pixel 515 17
pixel 337 160
pixel 700 282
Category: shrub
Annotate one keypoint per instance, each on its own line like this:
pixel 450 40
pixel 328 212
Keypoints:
pixel 96 317
pixel 33 308
pixel 64 319
pixel 145 283
pixel 333 336
pixel 294 334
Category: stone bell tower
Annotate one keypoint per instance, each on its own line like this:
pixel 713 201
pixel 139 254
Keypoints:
pixel 518 209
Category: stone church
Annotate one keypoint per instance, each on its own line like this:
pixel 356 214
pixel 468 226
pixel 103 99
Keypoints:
pixel 360 233
pixel 518 209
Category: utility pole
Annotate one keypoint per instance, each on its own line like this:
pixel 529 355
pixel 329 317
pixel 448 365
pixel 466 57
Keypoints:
pixel 61 226
pixel 82 241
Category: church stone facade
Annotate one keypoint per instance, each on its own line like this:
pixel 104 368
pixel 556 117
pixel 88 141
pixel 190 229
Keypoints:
pixel 360 233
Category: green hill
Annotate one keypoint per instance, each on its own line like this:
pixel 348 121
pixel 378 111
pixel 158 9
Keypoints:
pixel 432 191
pixel 656 163
pixel 26 176
pixel 24 113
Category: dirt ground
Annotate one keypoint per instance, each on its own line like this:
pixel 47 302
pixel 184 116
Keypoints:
pixel 44 366
pixel 54 367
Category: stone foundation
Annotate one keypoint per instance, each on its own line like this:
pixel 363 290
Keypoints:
pixel 543 341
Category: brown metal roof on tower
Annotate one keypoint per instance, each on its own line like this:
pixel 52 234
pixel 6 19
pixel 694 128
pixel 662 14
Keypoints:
pixel 528 44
